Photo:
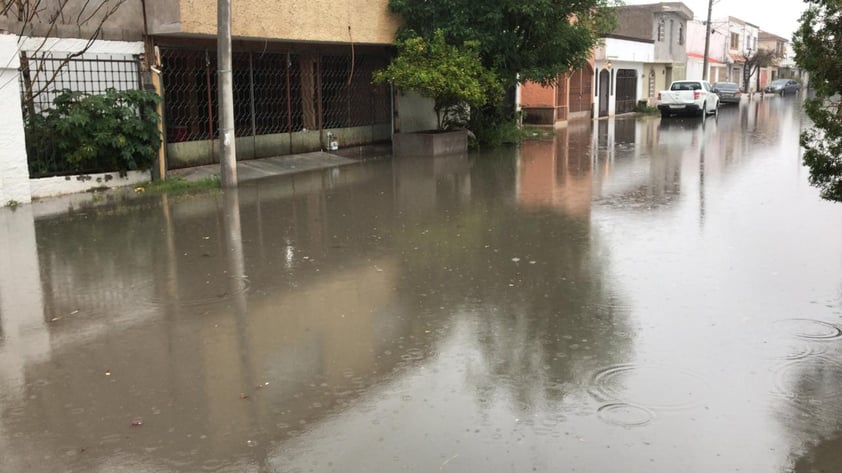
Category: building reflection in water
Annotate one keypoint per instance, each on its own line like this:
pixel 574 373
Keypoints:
pixel 232 323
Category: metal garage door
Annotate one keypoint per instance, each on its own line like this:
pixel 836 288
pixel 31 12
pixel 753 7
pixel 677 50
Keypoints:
pixel 626 90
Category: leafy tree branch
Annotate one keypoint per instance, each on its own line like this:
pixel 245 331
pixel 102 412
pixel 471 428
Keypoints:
pixel 818 50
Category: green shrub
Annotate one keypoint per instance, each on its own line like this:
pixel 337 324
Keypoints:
pixel 112 132
pixel 644 108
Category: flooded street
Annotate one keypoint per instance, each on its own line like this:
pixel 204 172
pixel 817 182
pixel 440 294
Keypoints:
pixel 634 295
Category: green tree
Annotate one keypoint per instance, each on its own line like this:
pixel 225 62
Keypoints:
pixel 818 50
pixel 452 76
pixel 519 40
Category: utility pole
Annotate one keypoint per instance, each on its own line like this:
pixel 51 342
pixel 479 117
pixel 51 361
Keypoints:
pixel 227 148
pixel 707 42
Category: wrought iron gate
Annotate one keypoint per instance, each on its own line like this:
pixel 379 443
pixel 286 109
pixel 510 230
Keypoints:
pixel 626 90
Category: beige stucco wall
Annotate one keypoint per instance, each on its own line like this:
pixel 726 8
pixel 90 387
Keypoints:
pixel 297 20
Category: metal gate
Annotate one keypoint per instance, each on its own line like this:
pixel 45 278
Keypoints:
pixel 580 90
pixel 626 90
pixel 275 93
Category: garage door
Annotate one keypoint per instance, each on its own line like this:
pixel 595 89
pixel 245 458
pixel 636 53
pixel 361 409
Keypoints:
pixel 626 90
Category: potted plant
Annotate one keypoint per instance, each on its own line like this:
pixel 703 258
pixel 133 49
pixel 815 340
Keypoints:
pixel 453 77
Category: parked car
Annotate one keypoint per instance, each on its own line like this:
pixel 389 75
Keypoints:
pixel 694 97
pixel 728 92
pixel 783 87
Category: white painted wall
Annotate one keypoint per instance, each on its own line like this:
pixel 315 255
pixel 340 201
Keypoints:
pixel 621 54
pixel 615 49
pixel 71 45
pixel 62 185
pixel 14 171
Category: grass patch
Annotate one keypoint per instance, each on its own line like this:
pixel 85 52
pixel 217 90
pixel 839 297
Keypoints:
pixel 177 184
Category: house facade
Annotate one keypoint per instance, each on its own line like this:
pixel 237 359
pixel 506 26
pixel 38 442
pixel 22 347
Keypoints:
pixel 569 98
pixel 665 25
pixel 302 71
pixel 302 74
pixel 784 67
pixel 742 42
pixel 621 77
pixel 718 66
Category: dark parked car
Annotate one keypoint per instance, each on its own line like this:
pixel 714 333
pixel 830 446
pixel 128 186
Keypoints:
pixel 728 92
pixel 783 87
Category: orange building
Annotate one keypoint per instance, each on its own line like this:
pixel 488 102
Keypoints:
pixel 570 98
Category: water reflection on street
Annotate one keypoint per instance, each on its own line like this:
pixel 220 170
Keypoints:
pixel 630 295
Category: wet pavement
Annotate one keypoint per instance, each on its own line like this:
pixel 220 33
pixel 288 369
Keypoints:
pixel 635 295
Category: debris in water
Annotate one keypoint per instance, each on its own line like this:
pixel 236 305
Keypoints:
pixel 244 396
pixel 516 259
pixel 137 422
pixel 107 372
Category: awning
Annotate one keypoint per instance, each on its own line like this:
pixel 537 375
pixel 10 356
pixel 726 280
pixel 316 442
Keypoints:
pixel 702 57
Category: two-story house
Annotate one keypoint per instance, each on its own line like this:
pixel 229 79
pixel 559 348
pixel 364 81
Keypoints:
pixel 717 52
pixel 742 43
pixel 665 24
pixel 783 67
pixel 302 70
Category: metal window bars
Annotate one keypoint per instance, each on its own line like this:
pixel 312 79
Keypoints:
pixel 273 93
pixel 45 75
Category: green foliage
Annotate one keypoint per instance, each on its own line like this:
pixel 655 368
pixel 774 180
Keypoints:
pixel 12 204
pixel 503 132
pixel 452 76
pixel 645 109
pixel 818 51
pixel 517 40
pixel 115 131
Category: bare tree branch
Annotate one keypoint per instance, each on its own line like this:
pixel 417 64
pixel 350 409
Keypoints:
pixel 43 18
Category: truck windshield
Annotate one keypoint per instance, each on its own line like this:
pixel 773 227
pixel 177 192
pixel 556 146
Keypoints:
pixel 686 86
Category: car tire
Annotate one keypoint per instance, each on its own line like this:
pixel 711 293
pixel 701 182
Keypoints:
pixel 665 114
pixel 704 111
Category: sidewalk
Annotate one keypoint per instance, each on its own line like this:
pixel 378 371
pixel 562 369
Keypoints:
pixel 289 164
pixel 246 170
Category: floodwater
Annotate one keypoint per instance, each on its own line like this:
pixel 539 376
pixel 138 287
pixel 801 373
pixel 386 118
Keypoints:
pixel 634 295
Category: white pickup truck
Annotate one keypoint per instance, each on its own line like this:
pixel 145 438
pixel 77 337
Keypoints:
pixel 694 97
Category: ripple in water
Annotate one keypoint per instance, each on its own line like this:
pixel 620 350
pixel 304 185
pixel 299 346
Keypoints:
pixel 651 387
pixel 625 415
pixel 809 381
pixel 810 329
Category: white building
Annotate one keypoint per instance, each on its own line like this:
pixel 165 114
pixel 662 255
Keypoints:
pixel 619 74
pixel 742 43
pixel 718 66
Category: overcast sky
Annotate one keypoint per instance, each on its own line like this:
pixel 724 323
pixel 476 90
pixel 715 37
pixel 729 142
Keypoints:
pixel 775 16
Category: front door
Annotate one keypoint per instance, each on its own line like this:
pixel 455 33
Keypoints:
pixel 604 90
pixel 626 91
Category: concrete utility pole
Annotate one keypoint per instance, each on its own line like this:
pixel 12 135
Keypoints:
pixel 227 148
pixel 707 42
